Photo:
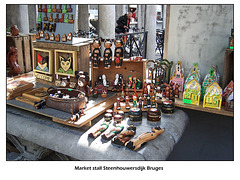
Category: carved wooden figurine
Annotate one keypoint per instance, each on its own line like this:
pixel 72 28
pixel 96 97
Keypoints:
pixel 127 105
pixel 14 30
pixel 12 59
pixel 118 54
pixel 96 53
pixel 143 138
pixel 118 104
pixel 65 82
pixel 82 82
pixel 124 136
pixel 99 130
pixel 112 132
pixel 107 55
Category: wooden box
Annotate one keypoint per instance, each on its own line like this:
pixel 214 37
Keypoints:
pixel 134 68
pixel 37 94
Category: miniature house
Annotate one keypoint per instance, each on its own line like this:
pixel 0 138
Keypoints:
pixel 206 83
pixel 191 94
pixel 177 77
pixel 213 96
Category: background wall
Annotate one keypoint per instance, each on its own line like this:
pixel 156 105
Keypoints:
pixel 199 33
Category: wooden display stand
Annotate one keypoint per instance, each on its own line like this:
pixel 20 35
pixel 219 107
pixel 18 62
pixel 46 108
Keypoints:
pixel 133 68
pixel 228 71
pixel 23 43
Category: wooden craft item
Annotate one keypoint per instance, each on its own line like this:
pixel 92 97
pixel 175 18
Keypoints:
pixel 118 53
pixel 54 9
pixel 46 36
pixel 192 92
pixel 45 27
pixel 168 107
pixel 41 34
pixel 50 18
pixel 118 104
pixel 59 10
pixel 82 82
pixel 177 77
pixel 99 130
pixel 39 19
pixel 227 91
pixel 69 37
pixel 118 119
pixel 113 132
pixel 124 136
pixel 45 8
pixel 109 111
pixel 107 55
pixel 39 8
pixel 39 26
pixel 49 8
pixel 57 38
pixel 56 19
pixel 64 10
pixel 71 21
pixel 64 38
pixel 12 61
pixel 62 19
pixel 66 18
pixel 52 37
pixel 96 53
pixel 154 115
pixel 108 117
pixel 45 17
pixel 36 95
pixel 213 96
pixel 143 138
pixel 135 115
pixel 69 9
pixel 37 35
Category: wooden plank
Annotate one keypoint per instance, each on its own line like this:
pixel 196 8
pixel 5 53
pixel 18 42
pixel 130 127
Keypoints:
pixel 18 44
pixel 228 70
pixel 83 58
pixel 91 113
pixel 33 38
pixel 27 54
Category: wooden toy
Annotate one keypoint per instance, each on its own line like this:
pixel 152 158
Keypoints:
pixel 136 83
pixel 39 19
pixel 12 61
pixel 76 117
pixel 69 37
pixel 213 96
pixel 65 82
pixel 41 34
pixel 109 111
pixel 139 141
pixel 140 102
pixel 95 93
pixel 52 37
pixel 82 82
pixel 66 18
pixel 118 104
pixel 99 130
pixel 153 102
pixel 64 38
pixel 56 18
pixel 227 91
pixel 69 9
pixel 154 115
pixel 118 119
pixel 46 36
pixel 45 18
pixel 144 101
pixel 49 8
pixel 121 113
pixel 135 114
pixel 104 93
pixel 192 92
pixel 57 39
pixel 45 8
pixel 39 26
pixel 70 20
pixel 39 8
pixel 14 30
pixel 122 138
pixel 50 18
pixel 108 117
pixel 62 19
pixel 104 81
pixel 37 35
pixel 193 74
pixel 54 9
pixel 107 55
pixel 127 105
pixel 177 77
pixel 64 10
pixel 206 83
pixel 118 53
pixel 59 10
pixel 134 100
pixel 96 53
pixel 113 132
pixel 168 107
pixel 176 91
pixel 130 82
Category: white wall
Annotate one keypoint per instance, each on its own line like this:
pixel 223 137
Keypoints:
pixel 199 33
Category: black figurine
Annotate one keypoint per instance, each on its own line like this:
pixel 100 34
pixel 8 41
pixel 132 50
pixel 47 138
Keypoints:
pixel 107 55
pixel 96 53
pixel 118 53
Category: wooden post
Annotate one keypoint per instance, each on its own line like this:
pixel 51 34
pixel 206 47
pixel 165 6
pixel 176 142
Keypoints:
pixel 18 44
pixel 27 55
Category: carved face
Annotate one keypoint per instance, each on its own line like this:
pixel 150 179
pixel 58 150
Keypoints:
pixel 118 43
pixel 107 44
pixel 65 63
pixel 96 44
pixel 42 61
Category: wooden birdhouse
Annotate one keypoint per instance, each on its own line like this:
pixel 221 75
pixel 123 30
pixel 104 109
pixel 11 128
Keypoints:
pixel 213 96
pixel 194 74
pixel 206 83
pixel 191 94
pixel 177 77
pixel 228 90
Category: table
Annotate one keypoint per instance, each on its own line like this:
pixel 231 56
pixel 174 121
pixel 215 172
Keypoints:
pixel 75 142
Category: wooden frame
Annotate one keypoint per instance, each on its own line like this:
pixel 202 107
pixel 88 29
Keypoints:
pixel 50 60
pixel 134 68
pixel 73 54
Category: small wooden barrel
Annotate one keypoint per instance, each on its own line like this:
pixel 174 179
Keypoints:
pixel 121 113
pixel 154 115
pixel 117 119
pixel 109 111
pixel 135 115
pixel 108 117
pixel 168 107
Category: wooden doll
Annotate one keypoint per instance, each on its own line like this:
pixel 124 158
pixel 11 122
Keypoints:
pixel 112 132
pixel 176 91
pixel 118 104
pixel 127 105
pixel 143 138
pixel 118 54
pixel 96 53
pixel 140 102
pixel 14 30
pixel 124 137
pixel 12 59
pixel 145 101
pixel 82 82
pixel 148 101
pixel 99 130
pixel 65 82
pixel 134 100
pixel 107 55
